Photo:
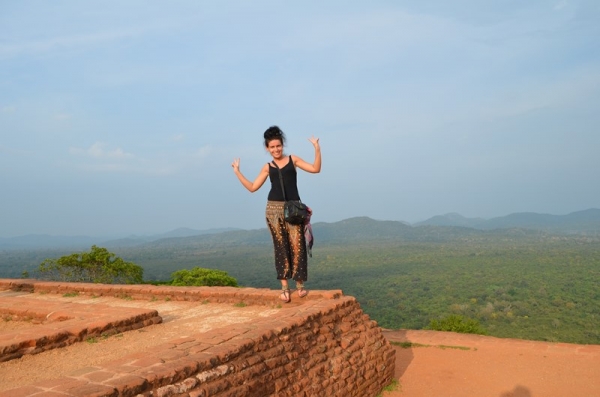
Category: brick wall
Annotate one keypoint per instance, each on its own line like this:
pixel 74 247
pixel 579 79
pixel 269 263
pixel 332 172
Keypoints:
pixel 325 347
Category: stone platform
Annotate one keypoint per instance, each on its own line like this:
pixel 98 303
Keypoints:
pixel 58 324
pixel 228 342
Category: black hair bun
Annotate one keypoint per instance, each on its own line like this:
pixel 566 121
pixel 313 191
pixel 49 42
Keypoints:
pixel 274 132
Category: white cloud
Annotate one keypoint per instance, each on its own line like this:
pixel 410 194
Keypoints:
pixel 561 4
pixel 99 151
pixel 62 116
pixel 137 167
pixel 204 152
pixel 100 157
pixel 61 42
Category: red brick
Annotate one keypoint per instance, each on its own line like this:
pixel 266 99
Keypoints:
pixel 215 387
pixel 198 392
pixel 128 385
pixel 98 376
pixel 92 390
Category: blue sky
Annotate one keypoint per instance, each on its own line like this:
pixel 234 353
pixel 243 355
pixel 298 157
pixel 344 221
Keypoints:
pixel 124 117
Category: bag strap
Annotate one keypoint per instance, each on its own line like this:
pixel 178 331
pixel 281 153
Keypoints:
pixel 280 180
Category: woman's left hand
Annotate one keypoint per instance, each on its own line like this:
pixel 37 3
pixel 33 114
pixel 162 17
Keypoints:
pixel 314 141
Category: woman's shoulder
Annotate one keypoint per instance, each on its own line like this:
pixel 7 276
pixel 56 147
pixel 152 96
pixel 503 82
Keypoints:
pixel 291 160
pixel 294 159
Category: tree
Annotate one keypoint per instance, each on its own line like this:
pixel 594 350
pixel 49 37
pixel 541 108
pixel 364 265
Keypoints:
pixel 456 323
pixel 96 266
pixel 202 277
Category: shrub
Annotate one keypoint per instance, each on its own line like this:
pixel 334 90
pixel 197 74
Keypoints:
pixel 457 323
pixel 202 277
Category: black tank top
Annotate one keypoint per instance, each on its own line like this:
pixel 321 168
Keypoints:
pixel 289 182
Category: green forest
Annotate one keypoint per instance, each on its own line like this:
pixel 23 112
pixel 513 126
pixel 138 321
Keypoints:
pixel 515 284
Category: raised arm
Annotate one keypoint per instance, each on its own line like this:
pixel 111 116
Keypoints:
pixel 315 167
pixel 258 182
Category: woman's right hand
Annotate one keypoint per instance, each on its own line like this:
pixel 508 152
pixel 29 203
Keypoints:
pixel 236 165
pixel 258 182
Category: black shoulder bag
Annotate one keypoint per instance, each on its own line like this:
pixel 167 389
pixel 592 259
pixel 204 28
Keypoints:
pixel 294 211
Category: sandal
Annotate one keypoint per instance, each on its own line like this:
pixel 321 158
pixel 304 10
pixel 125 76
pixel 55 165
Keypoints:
pixel 302 292
pixel 285 295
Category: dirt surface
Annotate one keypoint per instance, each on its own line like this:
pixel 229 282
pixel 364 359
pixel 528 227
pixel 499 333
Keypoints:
pixel 180 319
pixel 457 365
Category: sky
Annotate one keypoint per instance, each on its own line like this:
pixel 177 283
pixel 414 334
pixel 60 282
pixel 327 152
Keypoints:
pixel 121 118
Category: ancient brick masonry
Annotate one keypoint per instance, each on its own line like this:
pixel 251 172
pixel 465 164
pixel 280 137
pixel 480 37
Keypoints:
pixel 64 324
pixel 325 346
pixel 330 350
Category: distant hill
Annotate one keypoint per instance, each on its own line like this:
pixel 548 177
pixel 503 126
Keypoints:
pixel 177 233
pixel 363 229
pixel 452 219
pixel 581 222
pixel 44 241
pixel 360 229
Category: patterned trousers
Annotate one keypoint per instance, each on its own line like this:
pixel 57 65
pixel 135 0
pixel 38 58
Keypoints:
pixel 289 244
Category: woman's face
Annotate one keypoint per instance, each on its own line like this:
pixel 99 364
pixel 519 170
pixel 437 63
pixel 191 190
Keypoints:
pixel 275 147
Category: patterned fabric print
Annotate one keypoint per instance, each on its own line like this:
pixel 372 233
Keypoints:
pixel 289 244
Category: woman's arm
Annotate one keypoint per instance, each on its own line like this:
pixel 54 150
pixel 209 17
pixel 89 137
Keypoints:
pixel 315 167
pixel 258 182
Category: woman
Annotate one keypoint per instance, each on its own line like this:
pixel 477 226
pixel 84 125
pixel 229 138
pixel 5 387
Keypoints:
pixel 288 239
